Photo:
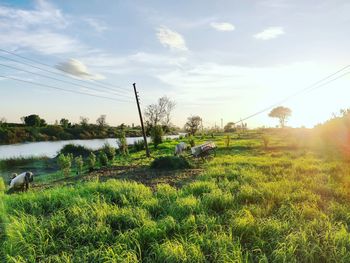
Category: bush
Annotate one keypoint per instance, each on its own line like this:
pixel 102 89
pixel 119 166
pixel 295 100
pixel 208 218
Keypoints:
pixel 91 161
pixel 157 135
pixel 103 158
pixel 79 163
pixel 76 150
pixel 122 143
pixel 139 145
pixel 65 163
pixel 109 151
pixel 170 163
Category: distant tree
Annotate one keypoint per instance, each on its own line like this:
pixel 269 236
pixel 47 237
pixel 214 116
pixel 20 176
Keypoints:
pixel 230 127
pixel 33 120
pixel 281 113
pixel 65 123
pixel 193 123
pixel 160 113
pixel 101 121
pixel 3 122
pixel 157 135
pixel 84 121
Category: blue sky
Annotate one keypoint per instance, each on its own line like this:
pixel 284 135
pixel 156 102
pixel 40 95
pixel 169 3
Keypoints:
pixel 217 59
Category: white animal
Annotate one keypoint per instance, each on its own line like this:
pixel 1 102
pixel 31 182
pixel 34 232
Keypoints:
pixel 21 181
pixel 180 148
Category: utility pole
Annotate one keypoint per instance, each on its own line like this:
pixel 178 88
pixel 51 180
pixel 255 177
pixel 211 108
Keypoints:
pixel 222 123
pixel 141 120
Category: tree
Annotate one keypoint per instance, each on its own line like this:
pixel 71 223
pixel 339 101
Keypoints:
pixel 3 122
pixel 282 113
pixel 230 127
pixel 65 123
pixel 33 120
pixel 193 123
pixel 101 121
pixel 160 113
pixel 84 121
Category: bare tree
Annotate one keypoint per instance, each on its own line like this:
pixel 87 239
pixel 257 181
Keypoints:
pixel 101 121
pixel 160 113
pixel 193 123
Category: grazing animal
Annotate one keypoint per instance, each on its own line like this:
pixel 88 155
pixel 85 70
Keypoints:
pixel 13 176
pixel 21 182
pixel 180 148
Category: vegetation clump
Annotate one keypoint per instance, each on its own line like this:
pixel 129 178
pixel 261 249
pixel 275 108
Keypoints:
pixel 65 163
pixel 170 163
pixel 76 150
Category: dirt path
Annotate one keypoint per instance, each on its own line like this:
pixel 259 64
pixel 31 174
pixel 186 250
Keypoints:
pixel 140 174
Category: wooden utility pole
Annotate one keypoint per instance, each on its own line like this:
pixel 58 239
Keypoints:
pixel 141 120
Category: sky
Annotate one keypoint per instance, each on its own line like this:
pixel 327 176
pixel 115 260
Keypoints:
pixel 216 59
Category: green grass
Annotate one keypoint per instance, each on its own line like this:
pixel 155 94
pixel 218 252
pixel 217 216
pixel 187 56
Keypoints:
pixel 286 203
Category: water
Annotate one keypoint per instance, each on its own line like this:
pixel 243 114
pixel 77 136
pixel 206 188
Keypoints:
pixel 50 149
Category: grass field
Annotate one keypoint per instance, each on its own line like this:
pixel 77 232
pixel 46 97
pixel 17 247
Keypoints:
pixel 288 202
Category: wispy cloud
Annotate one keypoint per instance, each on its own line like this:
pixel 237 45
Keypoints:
pixel 224 26
pixel 270 33
pixel 171 39
pixel 78 69
pixel 39 29
pixel 96 24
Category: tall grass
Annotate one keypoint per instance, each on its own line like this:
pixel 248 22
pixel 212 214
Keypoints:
pixel 250 204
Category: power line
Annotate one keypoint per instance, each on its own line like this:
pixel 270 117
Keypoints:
pixel 63 75
pixel 72 83
pixel 316 85
pixel 66 90
pixel 47 65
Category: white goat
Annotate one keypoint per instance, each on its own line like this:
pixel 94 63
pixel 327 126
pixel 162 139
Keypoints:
pixel 21 181
pixel 180 148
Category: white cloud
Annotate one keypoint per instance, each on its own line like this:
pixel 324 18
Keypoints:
pixel 224 26
pixel 78 69
pixel 39 29
pixel 96 24
pixel 171 39
pixel 270 33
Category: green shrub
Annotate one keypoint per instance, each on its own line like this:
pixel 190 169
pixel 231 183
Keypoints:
pixel 79 163
pixel 109 151
pixel 91 161
pixel 191 141
pixel 76 150
pixel 170 163
pixel 103 158
pixel 157 135
pixel 122 143
pixel 139 145
pixel 65 163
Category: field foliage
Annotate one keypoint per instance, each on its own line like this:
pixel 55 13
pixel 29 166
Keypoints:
pixel 280 202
